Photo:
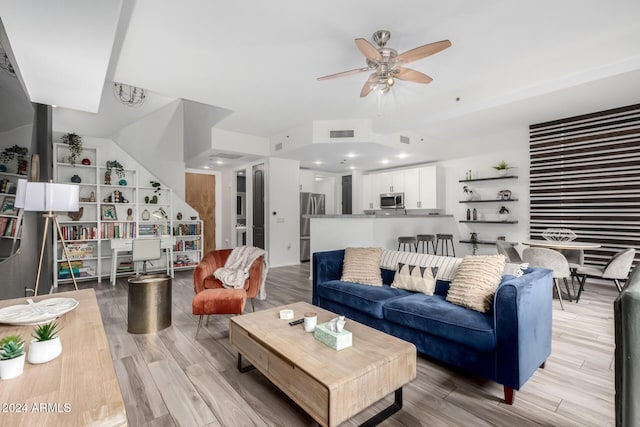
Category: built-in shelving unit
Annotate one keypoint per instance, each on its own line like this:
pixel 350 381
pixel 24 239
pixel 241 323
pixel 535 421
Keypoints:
pixel 10 216
pixel 122 207
pixel 490 201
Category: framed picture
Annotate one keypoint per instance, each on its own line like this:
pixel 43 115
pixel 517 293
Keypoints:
pixel 108 213
pixel 7 206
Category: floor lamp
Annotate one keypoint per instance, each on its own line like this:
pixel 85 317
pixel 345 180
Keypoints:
pixel 48 197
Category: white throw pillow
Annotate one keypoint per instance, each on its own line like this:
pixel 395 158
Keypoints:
pixel 415 278
pixel 362 265
pixel 476 281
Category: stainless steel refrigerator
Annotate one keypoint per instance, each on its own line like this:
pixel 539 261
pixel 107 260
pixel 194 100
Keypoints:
pixel 310 204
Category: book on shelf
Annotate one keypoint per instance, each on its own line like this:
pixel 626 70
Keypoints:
pixel 10 228
pixel 3 225
pixel 187 229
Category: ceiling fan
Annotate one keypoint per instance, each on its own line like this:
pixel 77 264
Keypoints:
pixel 387 65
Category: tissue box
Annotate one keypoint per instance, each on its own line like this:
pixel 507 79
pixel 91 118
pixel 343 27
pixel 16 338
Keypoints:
pixel 335 340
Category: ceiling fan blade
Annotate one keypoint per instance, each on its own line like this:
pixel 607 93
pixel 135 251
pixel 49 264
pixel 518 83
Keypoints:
pixel 412 76
pixel 422 51
pixel 368 85
pixel 368 50
pixel 344 73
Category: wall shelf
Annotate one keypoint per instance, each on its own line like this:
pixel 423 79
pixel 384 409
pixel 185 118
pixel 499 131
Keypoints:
pixel 488 201
pixel 489 179
pixel 484 242
pixel 488 222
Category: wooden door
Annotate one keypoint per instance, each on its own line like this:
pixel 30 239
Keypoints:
pixel 258 206
pixel 201 195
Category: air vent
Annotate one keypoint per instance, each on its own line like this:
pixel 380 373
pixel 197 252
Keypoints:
pixel 278 146
pixel 405 139
pixel 228 156
pixel 341 133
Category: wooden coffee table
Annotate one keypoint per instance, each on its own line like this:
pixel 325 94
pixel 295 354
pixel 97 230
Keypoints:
pixel 331 386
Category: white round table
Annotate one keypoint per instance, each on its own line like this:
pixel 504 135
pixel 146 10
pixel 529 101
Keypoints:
pixel 553 244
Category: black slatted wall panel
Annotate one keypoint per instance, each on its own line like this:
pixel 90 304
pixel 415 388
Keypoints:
pixel 585 175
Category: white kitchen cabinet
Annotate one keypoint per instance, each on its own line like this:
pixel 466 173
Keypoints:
pixel 429 195
pixel 370 197
pixel 411 188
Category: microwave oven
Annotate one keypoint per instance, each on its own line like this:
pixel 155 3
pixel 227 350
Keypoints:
pixel 392 201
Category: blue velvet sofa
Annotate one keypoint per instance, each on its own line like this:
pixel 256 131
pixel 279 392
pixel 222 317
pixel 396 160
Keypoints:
pixel 506 344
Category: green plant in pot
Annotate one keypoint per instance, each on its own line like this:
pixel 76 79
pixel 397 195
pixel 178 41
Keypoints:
pixel 502 168
pixel 11 356
pixel 17 153
pixel 119 169
pixel 156 191
pixel 74 141
pixel 46 345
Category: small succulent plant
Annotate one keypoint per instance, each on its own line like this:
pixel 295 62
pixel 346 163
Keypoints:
pixel 46 332
pixel 502 166
pixel 11 346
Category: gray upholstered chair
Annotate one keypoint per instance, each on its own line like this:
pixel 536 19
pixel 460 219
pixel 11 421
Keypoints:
pixel 553 260
pixel 508 250
pixel 617 270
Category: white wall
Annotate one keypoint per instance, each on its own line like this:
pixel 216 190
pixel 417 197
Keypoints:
pixel 156 142
pixel 282 211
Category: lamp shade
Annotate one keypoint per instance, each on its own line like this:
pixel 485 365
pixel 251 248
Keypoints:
pixel 47 196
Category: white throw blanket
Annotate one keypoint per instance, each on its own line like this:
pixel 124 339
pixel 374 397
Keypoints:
pixel 236 269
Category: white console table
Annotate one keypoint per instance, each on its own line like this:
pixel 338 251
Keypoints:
pixel 122 245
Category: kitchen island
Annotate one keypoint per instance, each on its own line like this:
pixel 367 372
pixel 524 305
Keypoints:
pixel 329 232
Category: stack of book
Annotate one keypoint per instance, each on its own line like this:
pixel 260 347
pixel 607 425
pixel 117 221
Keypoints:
pixel 183 261
pixel 125 266
pixel 79 270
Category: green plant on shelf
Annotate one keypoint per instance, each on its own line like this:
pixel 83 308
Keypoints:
pixel 502 166
pixel 14 152
pixel 113 164
pixel 74 141
pixel 156 187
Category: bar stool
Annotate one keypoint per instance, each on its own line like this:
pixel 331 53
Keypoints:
pixel 408 240
pixel 425 239
pixel 445 239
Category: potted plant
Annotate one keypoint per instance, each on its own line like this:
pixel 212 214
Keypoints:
pixel 503 213
pixel 19 154
pixel 74 141
pixel 156 191
pixel 473 238
pixel 502 168
pixel 46 346
pixel 113 164
pixel 11 356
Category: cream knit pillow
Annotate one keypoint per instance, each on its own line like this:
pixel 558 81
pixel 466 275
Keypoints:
pixel 415 278
pixel 362 265
pixel 476 281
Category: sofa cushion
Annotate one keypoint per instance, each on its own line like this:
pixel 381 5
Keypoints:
pixel 368 299
pixel 362 265
pixel 415 278
pixel 446 265
pixel 476 281
pixel 435 316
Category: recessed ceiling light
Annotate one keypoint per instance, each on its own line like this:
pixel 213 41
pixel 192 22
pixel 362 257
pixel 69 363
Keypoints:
pixel 384 161
pixel 317 162
pixel 206 166
pixel 54 106
pixel 402 155
pixel 219 162
pixel 351 155
pixel 352 167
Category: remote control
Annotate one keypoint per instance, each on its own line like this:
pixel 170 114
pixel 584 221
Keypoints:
pixel 296 322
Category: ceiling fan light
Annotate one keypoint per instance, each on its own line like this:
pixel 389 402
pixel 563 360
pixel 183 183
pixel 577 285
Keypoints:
pixel 391 81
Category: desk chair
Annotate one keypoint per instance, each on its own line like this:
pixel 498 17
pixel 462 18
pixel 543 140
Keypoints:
pixel 145 250
pixel 553 260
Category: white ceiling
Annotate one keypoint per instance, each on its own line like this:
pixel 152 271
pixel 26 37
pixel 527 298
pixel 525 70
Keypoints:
pixel 511 63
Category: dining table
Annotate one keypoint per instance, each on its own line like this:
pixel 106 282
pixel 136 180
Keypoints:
pixel 561 245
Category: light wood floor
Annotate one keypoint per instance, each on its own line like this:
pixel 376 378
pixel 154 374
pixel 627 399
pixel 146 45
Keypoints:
pixel 169 378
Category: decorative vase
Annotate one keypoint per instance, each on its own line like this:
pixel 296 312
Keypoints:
pixel 12 368
pixel 122 182
pixel 503 217
pixel 146 199
pixel 179 216
pixel 44 351
pixel 145 215
pixel 76 179
pixel 22 167
pixel 107 178
pixel 86 162
pixel 154 200
pixel 502 172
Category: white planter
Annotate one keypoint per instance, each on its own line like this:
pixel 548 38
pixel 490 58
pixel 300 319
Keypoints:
pixel 44 351
pixel 502 172
pixel 503 217
pixel 11 368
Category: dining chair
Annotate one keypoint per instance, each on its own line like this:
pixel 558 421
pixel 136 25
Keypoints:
pixel 617 269
pixel 508 250
pixel 553 260
pixel 575 258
